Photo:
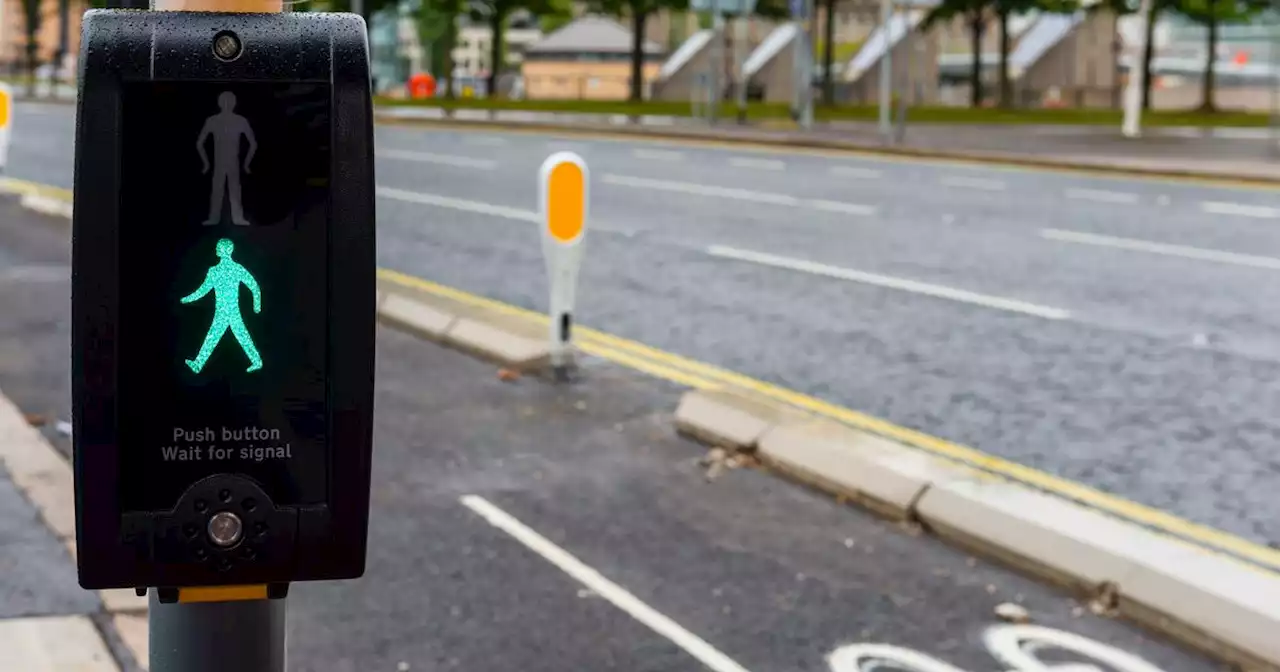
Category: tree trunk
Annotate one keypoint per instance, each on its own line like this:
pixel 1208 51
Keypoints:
pixel 64 21
pixel 449 38
pixel 33 62
pixel 1006 86
pixel 496 24
pixel 1149 55
pixel 828 55
pixel 1210 79
pixel 975 76
pixel 638 16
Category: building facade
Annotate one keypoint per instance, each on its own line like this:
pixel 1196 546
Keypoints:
pixel 588 59
pixel 13 34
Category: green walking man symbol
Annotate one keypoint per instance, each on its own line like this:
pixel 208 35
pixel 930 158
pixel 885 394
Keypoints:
pixel 224 280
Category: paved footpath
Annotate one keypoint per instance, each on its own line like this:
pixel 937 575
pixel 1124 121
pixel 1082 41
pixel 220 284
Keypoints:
pixel 522 525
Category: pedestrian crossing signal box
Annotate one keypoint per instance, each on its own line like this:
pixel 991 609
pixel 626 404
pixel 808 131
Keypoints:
pixel 223 299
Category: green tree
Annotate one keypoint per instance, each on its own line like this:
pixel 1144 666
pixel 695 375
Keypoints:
pixel 828 53
pixel 31 11
pixel 638 11
pixel 496 14
pixel 1212 14
pixel 437 27
pixel 974 13
pixel 1126 7
pixel 367 9
pixel 1005 9
pixel 560 15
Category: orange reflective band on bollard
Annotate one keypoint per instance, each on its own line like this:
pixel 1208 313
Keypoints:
pixel 6 106
pixel 566 201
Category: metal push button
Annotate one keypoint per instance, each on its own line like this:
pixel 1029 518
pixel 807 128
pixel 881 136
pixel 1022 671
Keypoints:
pixel 225 528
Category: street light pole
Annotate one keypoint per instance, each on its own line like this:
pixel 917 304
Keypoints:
pixel 886 69
pixel 740 55
pixel 806 81
pixel 717 60
pixel 908 46
pixel 1132 126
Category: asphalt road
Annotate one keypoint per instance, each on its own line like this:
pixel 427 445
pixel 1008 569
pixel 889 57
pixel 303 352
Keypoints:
pixel 522 525
pixel 1112 331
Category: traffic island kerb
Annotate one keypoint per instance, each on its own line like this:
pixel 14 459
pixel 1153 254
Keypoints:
pixel 1212 602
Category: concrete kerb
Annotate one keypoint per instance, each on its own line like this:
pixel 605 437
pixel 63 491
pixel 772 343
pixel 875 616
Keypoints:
pixel 45 478
pixel 506 340
pixel 1210 602
pixel 696 136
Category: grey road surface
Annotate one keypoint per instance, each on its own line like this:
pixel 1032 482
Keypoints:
pixel 746 568
pixel 1114 331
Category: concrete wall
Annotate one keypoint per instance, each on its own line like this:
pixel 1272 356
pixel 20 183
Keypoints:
pixel 663 25
pixel 561 80
pixel 921 81
pixel 777 77
pixel 682 85
pixel 1081 67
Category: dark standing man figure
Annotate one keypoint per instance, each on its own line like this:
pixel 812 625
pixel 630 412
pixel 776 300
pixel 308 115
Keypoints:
pixel 226 128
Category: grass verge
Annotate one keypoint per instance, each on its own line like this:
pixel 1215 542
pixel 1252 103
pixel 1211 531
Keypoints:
pixel 776 111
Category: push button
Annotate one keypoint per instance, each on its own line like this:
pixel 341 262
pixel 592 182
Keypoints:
pixel 225 528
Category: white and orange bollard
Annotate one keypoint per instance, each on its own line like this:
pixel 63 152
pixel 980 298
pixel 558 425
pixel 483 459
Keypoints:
pixel 563 200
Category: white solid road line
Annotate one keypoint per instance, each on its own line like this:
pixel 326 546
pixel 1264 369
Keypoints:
pixel 482 208
pixel 937 291
pixel 615 594
pixel 657 154
pixel 1101 196
pixel 1240 209
pixel 855 171
pixel 759 164
pixel 441 159
pixel 982 183
pixel 839 206
pixel 483 140
pixel 458 204
pixel 736 194
pixel 1183 251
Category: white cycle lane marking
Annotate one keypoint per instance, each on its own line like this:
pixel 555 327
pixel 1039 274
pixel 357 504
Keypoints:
pixel 1017 648
pixel 615 594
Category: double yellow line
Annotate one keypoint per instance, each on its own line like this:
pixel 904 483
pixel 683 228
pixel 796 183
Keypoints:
pixel 699 375
pixel 25 188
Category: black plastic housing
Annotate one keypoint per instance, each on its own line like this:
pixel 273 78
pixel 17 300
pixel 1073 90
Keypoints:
pixel 312 540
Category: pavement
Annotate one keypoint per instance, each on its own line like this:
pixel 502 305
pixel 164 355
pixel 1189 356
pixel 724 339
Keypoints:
pixel 1115 332
pixel 541 526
